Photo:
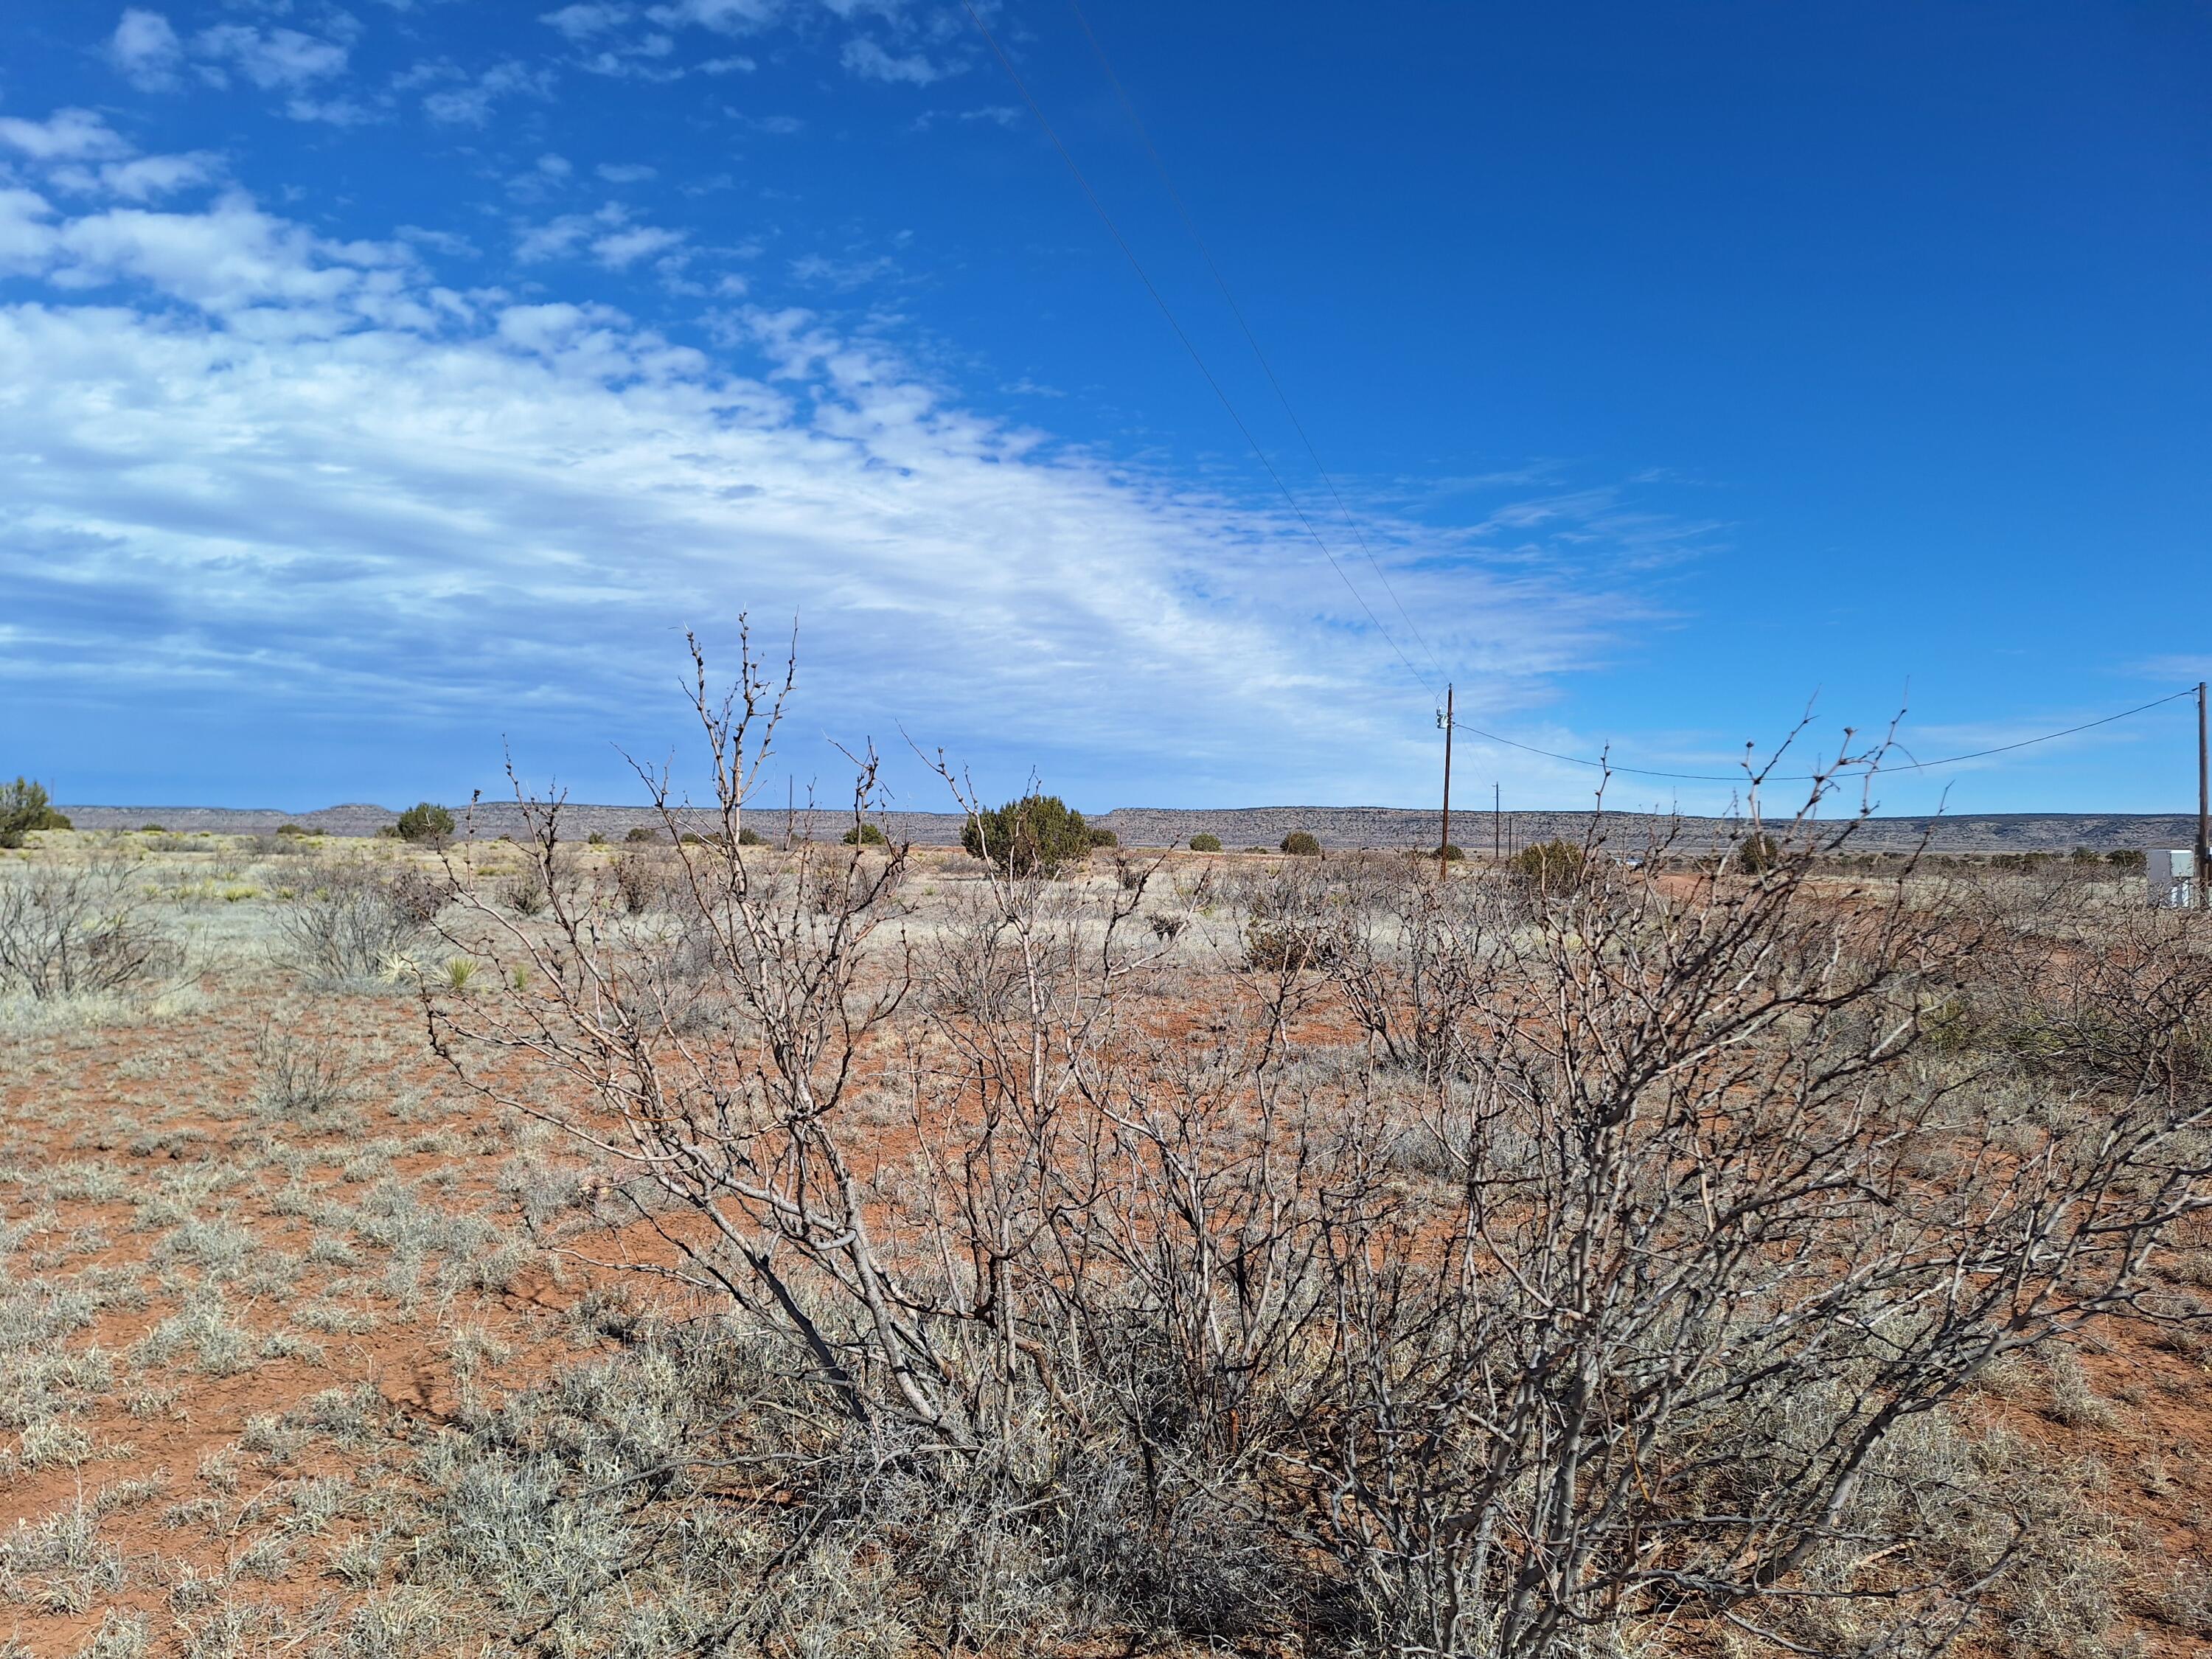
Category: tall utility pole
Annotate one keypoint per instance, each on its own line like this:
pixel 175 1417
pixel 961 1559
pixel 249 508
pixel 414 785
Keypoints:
pixel 1444 847
pixel 2203 807
pixel 1498 824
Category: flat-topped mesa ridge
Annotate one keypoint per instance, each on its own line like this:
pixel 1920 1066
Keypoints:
pixel 1339 828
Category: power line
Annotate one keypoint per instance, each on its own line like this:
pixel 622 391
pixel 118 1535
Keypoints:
pixel 1190 229
pixel 1166 311
pixel 1812 777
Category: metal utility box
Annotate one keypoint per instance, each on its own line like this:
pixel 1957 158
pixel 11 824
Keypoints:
pixel 2172 873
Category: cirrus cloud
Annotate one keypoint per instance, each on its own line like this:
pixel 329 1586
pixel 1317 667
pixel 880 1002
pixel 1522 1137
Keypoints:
pixel 244 450
pixel 243 446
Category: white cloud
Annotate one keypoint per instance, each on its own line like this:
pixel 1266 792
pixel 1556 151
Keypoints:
pixel 868 60
pixel 256 271
pixel 149 176
pixel 580 23
pixel 26 240
pixel 277 59
pixel 1002 115
pixel 555 167
pixel 553 239
pixel 438 242
pixel 627 172
pixel 327 471
pixel 625 248
pixel 819 270
pixel 640 63
pixel 79 153
pixel 68 135
pixel 608 236
pixel 611 46
pixel 472 105
pixel 338 111
pixel 728 16
pixel 145 50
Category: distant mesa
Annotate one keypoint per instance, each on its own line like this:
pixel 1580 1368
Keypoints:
pixel 1339 828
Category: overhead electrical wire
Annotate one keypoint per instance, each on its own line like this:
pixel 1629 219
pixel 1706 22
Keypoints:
pixel 1188 346
pixel 1811 777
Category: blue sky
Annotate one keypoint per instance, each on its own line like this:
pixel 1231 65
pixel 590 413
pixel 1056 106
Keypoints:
pixel 383 382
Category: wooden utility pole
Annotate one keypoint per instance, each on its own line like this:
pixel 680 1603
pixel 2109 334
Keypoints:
pixel 1498 824
pixel 2203 807
pixel 1444 847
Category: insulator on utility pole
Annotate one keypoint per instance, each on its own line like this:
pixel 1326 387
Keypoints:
pixel 1444 847
pixel 2203 807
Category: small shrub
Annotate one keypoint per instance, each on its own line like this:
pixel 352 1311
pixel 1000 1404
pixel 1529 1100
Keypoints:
pixel 2126 857
pixel 641 879
pixel 595 838
pixel 282 829
pixel 1281 947
pixel 1301 845
pixel 69 930
pixel 1104 838
pixel 524 894
pixel 427 822
pixel 1205 843
pixel 1555 866
pixel 356 921
pixel 639 832
pixel 1037 833
pixel 297 1078
pixel 864 834
pixel 1167 927
pixel 24 807
pixel 159 830
pixel 1452 853
pixel 1758 852
pixel 748 836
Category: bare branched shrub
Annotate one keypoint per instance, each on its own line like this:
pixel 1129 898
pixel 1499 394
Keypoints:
pixel 1291 918
pixel 1626 1275
pixel 526 893
pixel 76 929
pixel 737 1125
pixel 2077 983
pixel 640 874
pixel 298 1079
pixel 1414 958
pixel 357 919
